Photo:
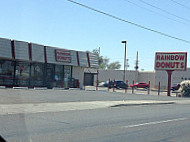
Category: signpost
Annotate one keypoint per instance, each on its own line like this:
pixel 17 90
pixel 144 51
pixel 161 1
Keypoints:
pixel 170 61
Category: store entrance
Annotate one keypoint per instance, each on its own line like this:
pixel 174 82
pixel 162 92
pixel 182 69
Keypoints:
pixel 89 78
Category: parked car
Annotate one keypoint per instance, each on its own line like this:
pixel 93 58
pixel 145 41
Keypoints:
pixel 106 83
pixel 140 85
pixel 175 87
pixel 118 84
pixel 121 84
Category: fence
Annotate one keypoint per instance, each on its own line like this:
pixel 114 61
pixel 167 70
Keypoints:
pixel 111 86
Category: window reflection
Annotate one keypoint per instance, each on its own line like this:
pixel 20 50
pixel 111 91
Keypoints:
pixel 37 74
pixel 19 73
pixel 6 72
pixel 67 76
pixel 58 77
pixel 22 73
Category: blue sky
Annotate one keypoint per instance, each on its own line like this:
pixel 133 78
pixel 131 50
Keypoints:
pixel 60 23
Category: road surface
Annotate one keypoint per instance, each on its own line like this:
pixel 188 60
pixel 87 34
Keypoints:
pixel 149 123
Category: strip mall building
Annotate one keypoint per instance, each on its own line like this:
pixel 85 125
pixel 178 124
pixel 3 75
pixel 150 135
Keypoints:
pixel 34 65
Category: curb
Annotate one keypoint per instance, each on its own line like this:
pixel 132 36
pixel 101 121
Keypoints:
pixel 2 87
pixel 140 104
pixel 26 88
pixel 40 88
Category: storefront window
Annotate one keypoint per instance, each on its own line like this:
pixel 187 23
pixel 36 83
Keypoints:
pixel 22 73
pixel 37 74
pixel 58 77
pixel 6 72
pixel 67 76
pixel 58 72
pixel 1 66
pixel 49 78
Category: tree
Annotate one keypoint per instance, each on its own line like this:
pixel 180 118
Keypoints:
pixel 103 62
pixel 114 65
pixel 100 58
pixel 96 52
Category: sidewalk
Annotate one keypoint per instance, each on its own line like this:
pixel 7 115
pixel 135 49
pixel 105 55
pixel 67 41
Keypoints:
pixel 6 109
pixel 36 101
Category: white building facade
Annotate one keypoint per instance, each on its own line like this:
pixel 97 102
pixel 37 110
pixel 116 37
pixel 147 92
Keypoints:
pixel 145 76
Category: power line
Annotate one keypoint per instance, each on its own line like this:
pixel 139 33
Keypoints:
pixel 165 11
pixel 181 4
pixel 155 12
pixel 126 21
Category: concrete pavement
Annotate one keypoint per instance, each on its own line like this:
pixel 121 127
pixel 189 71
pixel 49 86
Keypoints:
pixel 19 96
pixel 147 123
pixel 96 116
pixel 68 106
pixel 36 101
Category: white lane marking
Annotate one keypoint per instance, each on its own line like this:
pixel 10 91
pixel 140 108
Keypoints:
pixel 155 122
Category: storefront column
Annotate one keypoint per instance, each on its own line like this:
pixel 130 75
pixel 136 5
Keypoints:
pixel 29 84
pixel 14 72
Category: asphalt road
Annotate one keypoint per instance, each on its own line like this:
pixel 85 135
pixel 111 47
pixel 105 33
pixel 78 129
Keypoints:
pixel 151 123
pixel 14 96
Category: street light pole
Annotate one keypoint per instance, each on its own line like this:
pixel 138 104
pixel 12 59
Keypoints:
pixel 124 59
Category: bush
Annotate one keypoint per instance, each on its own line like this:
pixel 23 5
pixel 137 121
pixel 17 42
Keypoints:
pixel 185 88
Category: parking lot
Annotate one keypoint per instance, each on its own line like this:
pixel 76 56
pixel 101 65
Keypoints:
pixel 136 91
pixel 19 96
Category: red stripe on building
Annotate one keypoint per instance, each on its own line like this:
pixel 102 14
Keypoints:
pixel 45 54
pixel 13 49
pixel 30 51
pixel 88 59
pixel 78 61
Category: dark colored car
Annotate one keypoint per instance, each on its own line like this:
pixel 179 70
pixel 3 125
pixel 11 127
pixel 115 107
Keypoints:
pixel 175 87
pixel 140 85
pixel 106 83
pixel 118 84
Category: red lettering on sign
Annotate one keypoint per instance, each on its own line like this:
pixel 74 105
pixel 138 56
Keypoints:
pixel 168 65
pixel 158 64
pixel 62 55
pixel 172 57
pixel 167 57
pixel 162 58
pixel 176 57
pixel 171 61
pixel 162 64
pixel 157 57
pixel 182 65
pixel 181 57
pixel 177 64
pixel 173 65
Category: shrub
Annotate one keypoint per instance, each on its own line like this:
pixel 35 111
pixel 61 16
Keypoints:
pixel 185 88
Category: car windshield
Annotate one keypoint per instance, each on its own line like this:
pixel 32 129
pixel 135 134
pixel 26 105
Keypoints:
pixel 94 70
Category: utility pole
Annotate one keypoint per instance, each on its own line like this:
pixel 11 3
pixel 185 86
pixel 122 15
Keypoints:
pixel 125 42
pixel 137 62
pixel 127 63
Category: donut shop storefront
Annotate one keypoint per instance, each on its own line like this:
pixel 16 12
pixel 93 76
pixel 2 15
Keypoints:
pixel 32 65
